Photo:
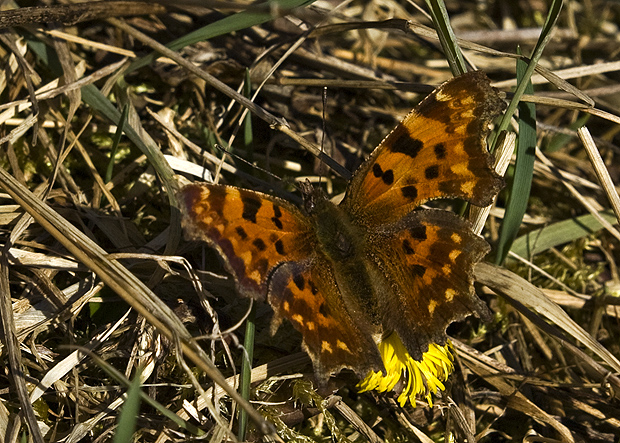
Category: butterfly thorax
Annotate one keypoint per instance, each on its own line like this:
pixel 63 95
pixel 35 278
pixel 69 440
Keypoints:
pixel 338 238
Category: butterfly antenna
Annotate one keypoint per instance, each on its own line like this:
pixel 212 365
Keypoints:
pixel 252 165
pixel 324 130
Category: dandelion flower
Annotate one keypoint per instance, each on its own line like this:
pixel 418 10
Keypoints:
pixel 423 377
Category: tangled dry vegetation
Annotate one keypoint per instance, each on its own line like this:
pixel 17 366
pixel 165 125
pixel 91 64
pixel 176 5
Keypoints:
pixel 98 288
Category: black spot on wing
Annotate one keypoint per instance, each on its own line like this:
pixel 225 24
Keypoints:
pixel 250 208
pixel 241 233
pixel 418 270
pixel 407 247
pixel 259 244
pixel 376 170
pixel 431 172
pixel 299 281
pixel 418 232
pixel 277 213
pixel 279 247
pixel 277 222
pixel 410 192
pixel 386 176
pixel 440 151
pixel 405 144
pixel 324 310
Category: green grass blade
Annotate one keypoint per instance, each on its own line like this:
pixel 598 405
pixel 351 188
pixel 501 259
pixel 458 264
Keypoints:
pixel 116 140
pixel 523 172
pixel 453 54
pixel 246 369
pixel 545 36
pixel 129 414
pixel 248 132
pixel 556 234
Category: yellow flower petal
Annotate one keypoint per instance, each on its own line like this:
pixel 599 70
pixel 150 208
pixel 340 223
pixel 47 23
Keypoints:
pixel 423 377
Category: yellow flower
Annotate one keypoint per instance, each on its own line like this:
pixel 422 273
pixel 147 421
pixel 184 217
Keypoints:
pixel 422 377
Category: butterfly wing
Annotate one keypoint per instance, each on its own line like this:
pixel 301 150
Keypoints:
pixel 253 232
pixel 437 151
pixel 307 295
pixel 271 250
pixel 431 254
pixel 427 257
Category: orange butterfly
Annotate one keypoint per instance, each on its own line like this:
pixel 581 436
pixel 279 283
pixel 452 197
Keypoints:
pixel 344 275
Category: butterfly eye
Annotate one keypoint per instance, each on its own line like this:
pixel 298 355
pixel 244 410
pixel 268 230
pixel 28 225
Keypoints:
pixel 309 203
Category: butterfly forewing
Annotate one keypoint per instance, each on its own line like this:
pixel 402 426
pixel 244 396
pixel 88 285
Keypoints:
pixel 431 254
pixel 437 151
pixel 253 232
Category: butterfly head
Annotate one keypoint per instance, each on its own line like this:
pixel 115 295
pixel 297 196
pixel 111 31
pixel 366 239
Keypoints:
pixel 314 198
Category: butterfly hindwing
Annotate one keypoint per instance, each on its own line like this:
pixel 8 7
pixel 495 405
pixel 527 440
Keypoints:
pixel 307 295
pixel 253 232
pixel 431 254
pixel 437 151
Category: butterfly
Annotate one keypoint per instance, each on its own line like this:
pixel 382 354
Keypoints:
pixel 346 275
